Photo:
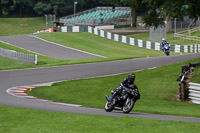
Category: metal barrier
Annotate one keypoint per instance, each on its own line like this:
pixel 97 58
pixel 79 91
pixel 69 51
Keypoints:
pixel 11 54
pixel 184 83
pixel 132 41
pixel 194 94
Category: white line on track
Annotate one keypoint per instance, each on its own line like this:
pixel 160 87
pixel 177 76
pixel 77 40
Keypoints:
pixel 67 47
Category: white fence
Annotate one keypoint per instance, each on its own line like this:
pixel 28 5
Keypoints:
pixel 31 58
pixel 194 92
pixel 186 35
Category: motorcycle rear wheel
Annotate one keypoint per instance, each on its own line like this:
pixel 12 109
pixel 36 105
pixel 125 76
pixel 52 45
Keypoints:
pixel 128 105
pixel 109 106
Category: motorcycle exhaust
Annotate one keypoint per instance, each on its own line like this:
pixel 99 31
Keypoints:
pixel 107 98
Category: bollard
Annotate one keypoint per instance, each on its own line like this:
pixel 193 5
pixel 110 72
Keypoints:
pixel 147 56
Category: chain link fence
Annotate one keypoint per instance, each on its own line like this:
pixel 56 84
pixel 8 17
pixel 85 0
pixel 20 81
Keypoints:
pixel 156 34
pixel 185 24
pixel 11 54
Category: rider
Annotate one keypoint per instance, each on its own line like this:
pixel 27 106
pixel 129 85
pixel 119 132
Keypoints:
pixel 128 83
pixel 163 43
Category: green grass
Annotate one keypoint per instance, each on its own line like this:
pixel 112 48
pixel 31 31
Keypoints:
pixel 20 120
pixel 157 87
pixel 141 36
pixel 101 46
pixel 86 42
pixel 7 64
pixel 170 38
pixel 196 75
pixel 19 26
pixel 197 33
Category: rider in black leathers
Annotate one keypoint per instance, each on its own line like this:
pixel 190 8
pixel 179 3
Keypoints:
pixel 128 83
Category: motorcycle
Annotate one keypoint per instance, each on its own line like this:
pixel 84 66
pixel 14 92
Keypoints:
pixel 166 49
pixel 125 101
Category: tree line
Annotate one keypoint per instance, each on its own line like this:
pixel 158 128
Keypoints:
pixel 156 12
pixel 23 8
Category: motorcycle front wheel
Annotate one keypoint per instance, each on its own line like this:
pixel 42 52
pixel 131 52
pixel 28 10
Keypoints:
pixel 109 106
pixel 167 53
pixel 128 105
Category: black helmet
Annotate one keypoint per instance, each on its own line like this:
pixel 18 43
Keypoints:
pixel 131 77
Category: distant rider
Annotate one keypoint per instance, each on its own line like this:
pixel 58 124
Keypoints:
pixel 127 83
pixel 163 43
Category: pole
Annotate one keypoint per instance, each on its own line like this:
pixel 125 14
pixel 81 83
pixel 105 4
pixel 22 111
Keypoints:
pixel 175 25
pixel 54 18
pixel 46 20
pixel 75 8
pixel 35 62
pixel 51 20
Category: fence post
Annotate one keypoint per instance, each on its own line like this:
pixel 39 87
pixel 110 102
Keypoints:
pixel 181 92
pixel 186 85
pixel 184 79
pixel 35 62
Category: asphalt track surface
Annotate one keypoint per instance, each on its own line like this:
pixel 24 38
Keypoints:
pixel 13 78
pixel 54 50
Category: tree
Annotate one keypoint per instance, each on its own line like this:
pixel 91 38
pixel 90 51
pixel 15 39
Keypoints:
pixel 159 10
pixel 134 5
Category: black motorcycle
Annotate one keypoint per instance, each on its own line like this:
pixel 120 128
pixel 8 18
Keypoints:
pixel 125 101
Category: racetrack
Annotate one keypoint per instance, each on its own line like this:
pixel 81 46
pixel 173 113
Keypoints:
pixel 43 47
pixel 13 78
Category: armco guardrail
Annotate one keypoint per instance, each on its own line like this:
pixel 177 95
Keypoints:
pixel 185 90
pixel 31 58
pixel 131 41
pixel 194 92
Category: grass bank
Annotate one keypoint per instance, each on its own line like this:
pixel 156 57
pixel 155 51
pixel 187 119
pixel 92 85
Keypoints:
pixel 86 42
pixel 19 26
pixel 196 75
pixel 99 45
pixel 157 87
pixel 22 120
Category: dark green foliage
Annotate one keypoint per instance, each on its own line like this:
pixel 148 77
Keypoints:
pixel 158 10
pixel 40 7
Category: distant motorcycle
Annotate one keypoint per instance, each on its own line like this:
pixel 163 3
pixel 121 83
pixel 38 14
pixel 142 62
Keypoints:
pixel 124 102
pixel 166 49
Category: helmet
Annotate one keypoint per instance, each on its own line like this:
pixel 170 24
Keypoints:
pixel 163 39
pixel 131 77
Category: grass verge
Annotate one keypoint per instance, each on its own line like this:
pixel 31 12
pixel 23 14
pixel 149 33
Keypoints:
pixel 99 45
pixel 19 26
pixel 14 119
pixel 157 87
pixel 196 75
pixel 86 42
